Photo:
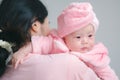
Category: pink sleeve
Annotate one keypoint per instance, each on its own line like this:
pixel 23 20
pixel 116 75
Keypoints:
pixel 50 67
pixel 106 73
pixel 42 44
pixel 100 65
pixel 98 60
pixel 58 44
pixel 48 45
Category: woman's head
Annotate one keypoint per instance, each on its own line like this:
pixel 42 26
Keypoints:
pixel 17 17
pixel 19 20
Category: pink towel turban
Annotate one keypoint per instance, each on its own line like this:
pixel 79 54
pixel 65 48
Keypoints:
pixel 76 16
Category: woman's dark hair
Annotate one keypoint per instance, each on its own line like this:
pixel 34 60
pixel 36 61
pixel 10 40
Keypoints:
pixel 3 57
pixel 16 18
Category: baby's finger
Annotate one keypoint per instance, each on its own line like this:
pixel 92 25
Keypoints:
pixel 13 62
pixel 21 61
pixel 16 63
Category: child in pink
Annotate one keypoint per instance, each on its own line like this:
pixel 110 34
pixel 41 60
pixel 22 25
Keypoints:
pixel 77 25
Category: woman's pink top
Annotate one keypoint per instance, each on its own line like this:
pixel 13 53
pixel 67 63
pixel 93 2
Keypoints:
pixel 50 67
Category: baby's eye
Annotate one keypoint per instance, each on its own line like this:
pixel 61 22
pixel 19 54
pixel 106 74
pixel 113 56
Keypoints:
pixel 90 35
pixel 78 37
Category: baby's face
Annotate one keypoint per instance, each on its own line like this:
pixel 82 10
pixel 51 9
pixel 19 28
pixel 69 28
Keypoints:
pixel 82 40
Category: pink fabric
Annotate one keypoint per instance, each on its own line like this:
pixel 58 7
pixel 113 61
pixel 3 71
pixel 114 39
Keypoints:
pixel 63 66
pixel 50 67
pixel 42 45
pixel 98 61
pixel 76 16
pixel 47 45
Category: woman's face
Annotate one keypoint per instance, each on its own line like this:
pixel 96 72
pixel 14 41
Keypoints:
pixel 40 29
pixel 45 27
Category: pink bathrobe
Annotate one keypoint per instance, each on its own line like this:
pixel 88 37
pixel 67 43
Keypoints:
pixel 63 66
pixel 97 59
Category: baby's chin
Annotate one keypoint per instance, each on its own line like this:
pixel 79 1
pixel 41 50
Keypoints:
pixel 84 50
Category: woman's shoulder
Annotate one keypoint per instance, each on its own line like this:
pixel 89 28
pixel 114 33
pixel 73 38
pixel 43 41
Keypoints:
pixel 62 66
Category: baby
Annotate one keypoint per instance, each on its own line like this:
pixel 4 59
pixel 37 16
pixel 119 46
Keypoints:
pixel 77 26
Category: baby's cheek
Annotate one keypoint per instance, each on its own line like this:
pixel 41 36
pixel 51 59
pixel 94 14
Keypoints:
pixel 92 40
pixel 74 46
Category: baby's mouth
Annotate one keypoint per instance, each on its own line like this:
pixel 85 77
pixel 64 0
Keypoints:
pixel 84 48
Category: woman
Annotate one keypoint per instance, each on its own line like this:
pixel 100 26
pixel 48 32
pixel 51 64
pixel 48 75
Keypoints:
pixel 19 21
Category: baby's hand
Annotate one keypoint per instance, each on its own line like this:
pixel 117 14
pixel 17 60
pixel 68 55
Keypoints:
pixel 17 59
pixel 19 56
